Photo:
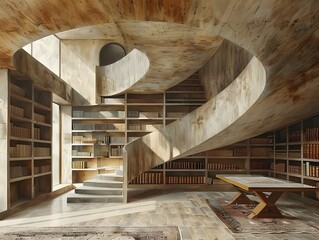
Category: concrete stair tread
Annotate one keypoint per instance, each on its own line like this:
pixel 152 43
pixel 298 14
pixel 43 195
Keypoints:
pixel 97 180
pixel 98 188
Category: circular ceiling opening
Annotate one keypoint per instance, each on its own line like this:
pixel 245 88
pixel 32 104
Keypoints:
pixel 111 53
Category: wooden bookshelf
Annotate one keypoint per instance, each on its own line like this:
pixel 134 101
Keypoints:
pixel 29 153
pixel 97 132
pixel 296 153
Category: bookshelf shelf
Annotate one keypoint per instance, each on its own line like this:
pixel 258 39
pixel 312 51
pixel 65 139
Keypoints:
pixel 19 119
pixel 20 98
pixel 19 159
pixel 39 106
pixel 18 179
pixel 42 174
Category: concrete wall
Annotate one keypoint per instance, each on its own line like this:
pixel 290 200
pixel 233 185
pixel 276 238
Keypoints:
pixel 55 144
pixel 78 61
pixel 66 147
pixel 3 139
pixel 227 63
pixel 47 51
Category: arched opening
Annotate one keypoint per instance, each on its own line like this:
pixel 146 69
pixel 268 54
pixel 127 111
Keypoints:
pixel 111 53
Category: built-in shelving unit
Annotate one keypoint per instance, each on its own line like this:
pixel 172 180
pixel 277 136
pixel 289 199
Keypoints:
pixel 29 154
pixel 98 135
pixel 296 153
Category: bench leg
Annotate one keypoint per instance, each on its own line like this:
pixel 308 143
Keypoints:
pixel 267 208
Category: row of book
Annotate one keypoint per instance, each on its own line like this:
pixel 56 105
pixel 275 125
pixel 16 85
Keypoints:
pixel 99 127
pixel 100 114
pixel 261 152
pixel 295 154
pixel 41 169
pixel 221 166
pixel 20 150
pixel 186 88
pixel 17 90
pixel 294 169
pixel 148 178
pixel 138 114
pixel 176 114
pixel 185 179
pixel 16 111
pixel 77 153
pixel 42 151
pixel 311 170
pixel 79 164
pixel 21 132
pixel 19 171
pixel 185 165
pixel 116 151
pixel 144 127
pixel 311 151
pixel 37 133
pixel 83 139
pixel 311 134
pixel 259 165
pixel 278 167
pixel 39 118
pixel 260 140
pixel 294 136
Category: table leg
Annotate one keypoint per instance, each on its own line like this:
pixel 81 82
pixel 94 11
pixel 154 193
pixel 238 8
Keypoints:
pixel 241 198
pixel 266 208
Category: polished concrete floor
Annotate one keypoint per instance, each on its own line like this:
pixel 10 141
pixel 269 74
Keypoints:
pixel 187 210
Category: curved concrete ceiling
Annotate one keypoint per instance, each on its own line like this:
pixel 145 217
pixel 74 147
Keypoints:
pixel 175 51
pixel 283 35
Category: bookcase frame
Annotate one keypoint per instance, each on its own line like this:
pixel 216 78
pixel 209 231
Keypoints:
pixel 29 141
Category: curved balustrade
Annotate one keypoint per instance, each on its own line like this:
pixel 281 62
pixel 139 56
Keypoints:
pixel 121 75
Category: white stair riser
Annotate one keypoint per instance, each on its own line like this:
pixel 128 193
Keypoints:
pixel 111 178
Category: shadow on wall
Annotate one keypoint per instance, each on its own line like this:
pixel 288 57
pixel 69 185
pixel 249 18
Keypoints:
pixel 111 53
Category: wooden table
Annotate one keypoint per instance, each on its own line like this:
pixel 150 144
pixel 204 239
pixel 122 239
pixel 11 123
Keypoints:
pixel 260 185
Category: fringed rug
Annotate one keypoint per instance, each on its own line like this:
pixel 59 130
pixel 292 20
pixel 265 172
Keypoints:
pixel 236 219
pixel 109 233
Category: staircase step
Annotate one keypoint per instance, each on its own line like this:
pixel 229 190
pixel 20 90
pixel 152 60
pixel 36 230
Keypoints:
pixel 111 177
pixel 103 183
pixel 87 198
pixel 98 190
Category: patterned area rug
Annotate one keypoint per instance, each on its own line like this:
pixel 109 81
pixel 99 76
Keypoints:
pixel 109 233
pixel 236 219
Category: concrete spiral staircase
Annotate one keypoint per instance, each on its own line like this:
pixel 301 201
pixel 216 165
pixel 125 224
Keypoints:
pixel 108 188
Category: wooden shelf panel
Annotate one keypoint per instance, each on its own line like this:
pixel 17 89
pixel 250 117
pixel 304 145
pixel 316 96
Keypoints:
pixel 19 159
pixel 42 141
pixel 20 119
pixel 20 139
pixel 41 174
pixel 42 124
pixel 18 179
pixel 20 98
pixel 38 106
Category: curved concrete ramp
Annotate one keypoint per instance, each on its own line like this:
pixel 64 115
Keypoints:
pixel 203 124
pixel 121 75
